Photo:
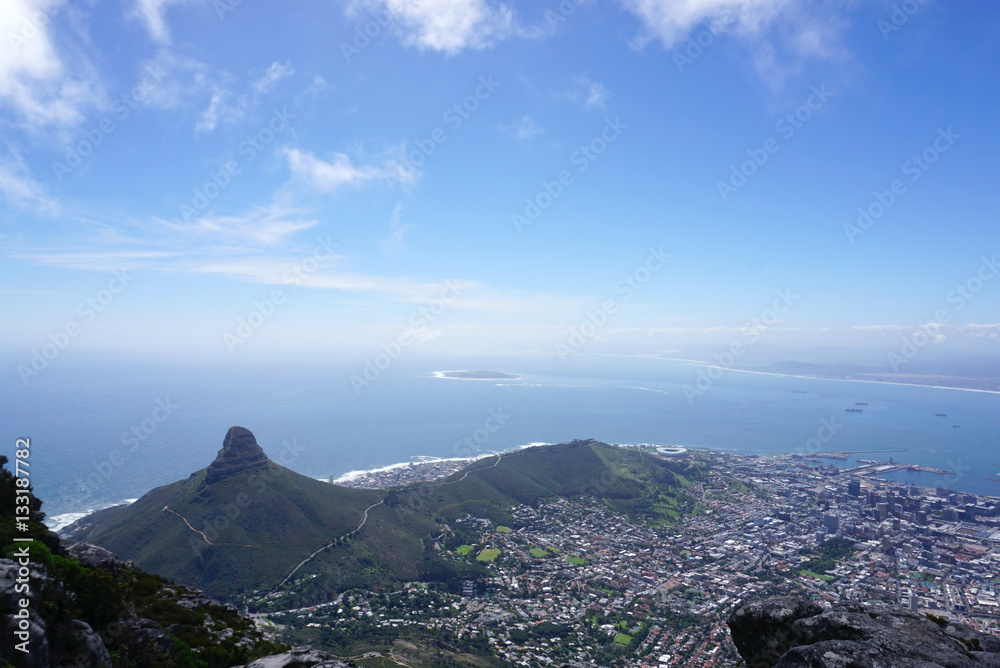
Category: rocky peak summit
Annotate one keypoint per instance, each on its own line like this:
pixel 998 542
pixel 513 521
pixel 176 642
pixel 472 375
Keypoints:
pixel 239 453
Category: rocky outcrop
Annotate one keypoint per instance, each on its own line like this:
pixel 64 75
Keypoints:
pixel 299 657
pixel 50 641
pixel 94 556
pixel 787 632
pixel 239 452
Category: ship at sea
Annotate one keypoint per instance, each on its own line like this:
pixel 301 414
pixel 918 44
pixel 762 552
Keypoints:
pixel 854 410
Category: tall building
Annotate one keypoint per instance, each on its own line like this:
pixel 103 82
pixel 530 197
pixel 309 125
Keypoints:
pixel 832 523
pixel 883 510
pixel 854 487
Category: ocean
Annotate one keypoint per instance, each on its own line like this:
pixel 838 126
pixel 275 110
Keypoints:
pixel 104 434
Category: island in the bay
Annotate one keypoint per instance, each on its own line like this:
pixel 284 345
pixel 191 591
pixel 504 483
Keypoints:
pixel 476 375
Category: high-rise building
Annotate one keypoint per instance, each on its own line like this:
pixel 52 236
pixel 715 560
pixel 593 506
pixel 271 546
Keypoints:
pixel 883 510
pixel 832 523
pixel 854 487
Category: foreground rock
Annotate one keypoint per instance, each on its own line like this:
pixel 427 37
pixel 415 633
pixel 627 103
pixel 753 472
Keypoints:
pixel 787 632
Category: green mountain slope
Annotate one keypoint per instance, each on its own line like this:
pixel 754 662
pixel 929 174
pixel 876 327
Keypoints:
pixel 246 528
pixel 245 524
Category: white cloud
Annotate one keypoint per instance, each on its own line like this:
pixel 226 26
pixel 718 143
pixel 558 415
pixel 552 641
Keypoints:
pixel 981 331
pixel 35 80
pixel 397 230
pixel 670 21
pixel 524 128
pixel 446 25
pixel 269 80
pixel 585 91
pixel 266 226
pixel 596 93
pixel 22 191
pixel 341 172
pixel 150 13
pixel 781 34
pixel 186 81
pixel 189 83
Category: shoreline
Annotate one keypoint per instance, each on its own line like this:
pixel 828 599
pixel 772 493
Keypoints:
pixel 442 374
pixel 841 380
pixel 424 459
pixel 58 522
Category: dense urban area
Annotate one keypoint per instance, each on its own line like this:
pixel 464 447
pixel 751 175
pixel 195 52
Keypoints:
pixel 576 583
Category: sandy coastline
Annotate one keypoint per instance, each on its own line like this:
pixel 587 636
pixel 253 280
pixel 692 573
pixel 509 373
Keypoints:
pixel 840 380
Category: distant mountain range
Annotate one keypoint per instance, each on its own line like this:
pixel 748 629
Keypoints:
pixel 245 526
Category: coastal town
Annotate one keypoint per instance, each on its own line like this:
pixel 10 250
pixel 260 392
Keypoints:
pixel 572 582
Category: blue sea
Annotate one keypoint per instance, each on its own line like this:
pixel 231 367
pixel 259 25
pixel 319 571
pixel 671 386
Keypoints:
pixel 105 432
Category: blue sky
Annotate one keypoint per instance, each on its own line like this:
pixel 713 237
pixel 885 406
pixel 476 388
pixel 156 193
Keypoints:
pixel 174 171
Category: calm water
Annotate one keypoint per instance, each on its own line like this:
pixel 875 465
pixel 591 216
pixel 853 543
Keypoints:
pixel 311 419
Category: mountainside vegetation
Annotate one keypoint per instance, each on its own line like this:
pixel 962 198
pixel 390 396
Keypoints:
pixel 89 608
pixel 261 534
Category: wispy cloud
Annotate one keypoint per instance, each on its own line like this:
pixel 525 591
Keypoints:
pixel 272 75
pixel 524 128
pixel 340 171
pixel 229 108
pixel 444 25
pixel 38 81
pixel 268 226
pixel 188 84
pixel 151 14
pixel 393 242
pixel 585 91
pixel 781 34
pixel 21 191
